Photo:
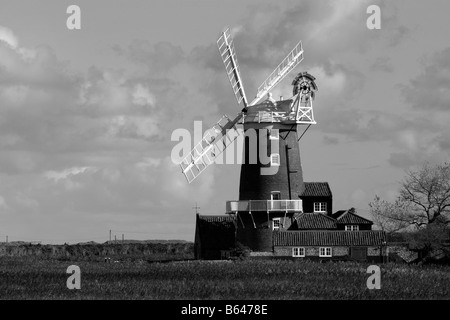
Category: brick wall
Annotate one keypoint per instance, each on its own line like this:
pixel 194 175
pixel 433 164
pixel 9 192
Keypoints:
pixel 340 251
pixel 312 251
pixel 253 185
pixel 375 251
pixel 283 251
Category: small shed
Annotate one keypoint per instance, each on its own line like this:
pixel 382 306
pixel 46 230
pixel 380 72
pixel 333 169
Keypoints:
pixel 214 236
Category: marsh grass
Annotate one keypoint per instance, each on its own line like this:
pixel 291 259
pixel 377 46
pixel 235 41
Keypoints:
pixel 33 278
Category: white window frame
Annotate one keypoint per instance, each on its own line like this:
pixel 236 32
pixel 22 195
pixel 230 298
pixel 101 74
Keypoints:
pixel 351 227
pixel 325 252
pixel 298 252
pixel 277 156
pixel 274 134
pixel 279 224
pixel 322 207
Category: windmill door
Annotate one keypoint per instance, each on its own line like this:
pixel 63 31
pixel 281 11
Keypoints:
pixel 274 204
pixel 358 253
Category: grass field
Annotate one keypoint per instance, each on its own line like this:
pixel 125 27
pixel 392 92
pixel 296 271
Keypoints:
pixel 32 278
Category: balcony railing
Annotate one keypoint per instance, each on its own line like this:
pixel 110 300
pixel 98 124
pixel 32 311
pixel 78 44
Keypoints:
pixel 264 205
pixel 280 116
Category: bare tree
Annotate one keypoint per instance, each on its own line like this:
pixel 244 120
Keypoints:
pixel 424 199
pixel 428 190
pixel 390 216
pixel 424 204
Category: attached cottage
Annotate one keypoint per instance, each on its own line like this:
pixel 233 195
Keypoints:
pixel 312 233
pixel 343 235
pixel 331 245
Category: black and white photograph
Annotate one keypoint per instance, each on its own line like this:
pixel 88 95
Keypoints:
pixel 219 157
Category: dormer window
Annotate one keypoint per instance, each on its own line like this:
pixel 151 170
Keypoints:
pixel 320 207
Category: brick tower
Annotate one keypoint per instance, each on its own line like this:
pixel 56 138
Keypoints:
pixel 271 179
pixel 270 189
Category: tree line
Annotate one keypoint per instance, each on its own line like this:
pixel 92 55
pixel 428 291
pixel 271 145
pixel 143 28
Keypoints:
pixel 421 212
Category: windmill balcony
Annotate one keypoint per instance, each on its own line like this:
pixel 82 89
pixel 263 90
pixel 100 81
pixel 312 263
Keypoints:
pixel 278 116
pixel 264 205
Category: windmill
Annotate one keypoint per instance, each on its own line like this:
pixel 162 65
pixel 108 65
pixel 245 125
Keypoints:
pixel 265 200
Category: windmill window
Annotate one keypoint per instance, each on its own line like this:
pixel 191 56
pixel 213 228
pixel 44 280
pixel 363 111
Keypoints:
pixel 324 252
pixel 275 159
pixel 298 252
pixel 274 134
pixel 276 223
pixel 275 195
pixel 351 227
pixel 320 207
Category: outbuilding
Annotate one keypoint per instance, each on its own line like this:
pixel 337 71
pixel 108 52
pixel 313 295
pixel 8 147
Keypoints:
pixel 369 245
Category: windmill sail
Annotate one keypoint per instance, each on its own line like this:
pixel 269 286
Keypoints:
pixel 214 142
pixel 224 132
pixel 228 54
pixel 282 70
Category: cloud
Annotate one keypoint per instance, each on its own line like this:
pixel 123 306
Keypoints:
pixel 383 64
pixel 358 125
pixel 7 36
pixel 413 147
pixel 398 34
pixel 330 140
pixel 134 127
pixel 94 145
pixel 402 160
pixel 149 162
pixel 444 143
pixel 80 148
pixel 64 174
pixel 410 139
pixel 270 32
pixel 359 198
pixel 37 67
pixel 142 96
pixel 424 132
pixel 2 202
pixel 431 88
pixel 160 57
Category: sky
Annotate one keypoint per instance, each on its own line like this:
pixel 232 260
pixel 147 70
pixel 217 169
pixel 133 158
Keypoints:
pixel 86 116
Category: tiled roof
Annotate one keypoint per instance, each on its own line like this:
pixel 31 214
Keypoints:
pixel 216 232
pixel 315 221
pixel 337 214
pixel 329 238
pixel 352 218
pixel 316 189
